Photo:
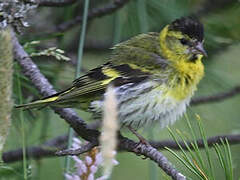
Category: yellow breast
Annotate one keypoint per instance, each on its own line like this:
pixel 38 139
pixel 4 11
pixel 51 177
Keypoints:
pixel 184 81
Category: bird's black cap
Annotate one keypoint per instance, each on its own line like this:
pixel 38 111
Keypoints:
pixel 190 26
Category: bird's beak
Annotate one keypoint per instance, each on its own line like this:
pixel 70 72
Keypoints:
pixel 199 48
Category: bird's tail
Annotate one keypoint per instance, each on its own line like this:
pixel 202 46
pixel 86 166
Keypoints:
pixel 39 103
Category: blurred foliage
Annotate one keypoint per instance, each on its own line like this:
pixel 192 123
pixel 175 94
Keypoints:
pixel 222 37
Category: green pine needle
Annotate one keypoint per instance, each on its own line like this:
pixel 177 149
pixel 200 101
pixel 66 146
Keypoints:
pixel 198 162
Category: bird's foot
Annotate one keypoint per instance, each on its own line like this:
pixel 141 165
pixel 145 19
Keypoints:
pixel 142 141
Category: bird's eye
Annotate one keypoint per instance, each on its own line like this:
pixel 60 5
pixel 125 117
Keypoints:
pixel 183 41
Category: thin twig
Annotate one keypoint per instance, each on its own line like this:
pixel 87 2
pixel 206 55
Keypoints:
pixel 232 139
pixel 84 148
pixel 93 13
pixel 216 97
pixel 117 4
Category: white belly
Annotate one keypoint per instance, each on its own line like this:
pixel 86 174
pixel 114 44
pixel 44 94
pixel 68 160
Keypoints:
pixel 144 104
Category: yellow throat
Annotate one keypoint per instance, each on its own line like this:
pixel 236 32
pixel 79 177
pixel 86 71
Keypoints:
pixel 186 74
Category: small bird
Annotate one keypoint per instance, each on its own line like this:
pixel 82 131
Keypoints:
pixel 154 76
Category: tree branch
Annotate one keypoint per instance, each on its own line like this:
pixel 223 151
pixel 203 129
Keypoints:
pixel 207 6
pixel 232 139
pixel 55 3
pixel 59 143
pixel 93 13
pixel 139 149
pixel 152 153
pixel 216 97
pixel 47 149
pixel 117 4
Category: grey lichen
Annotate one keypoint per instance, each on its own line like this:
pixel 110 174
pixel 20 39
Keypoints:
pixel 14 13
pixel 6 63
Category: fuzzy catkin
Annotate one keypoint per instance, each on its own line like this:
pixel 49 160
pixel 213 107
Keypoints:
pixel 6 63
pixel 108 138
